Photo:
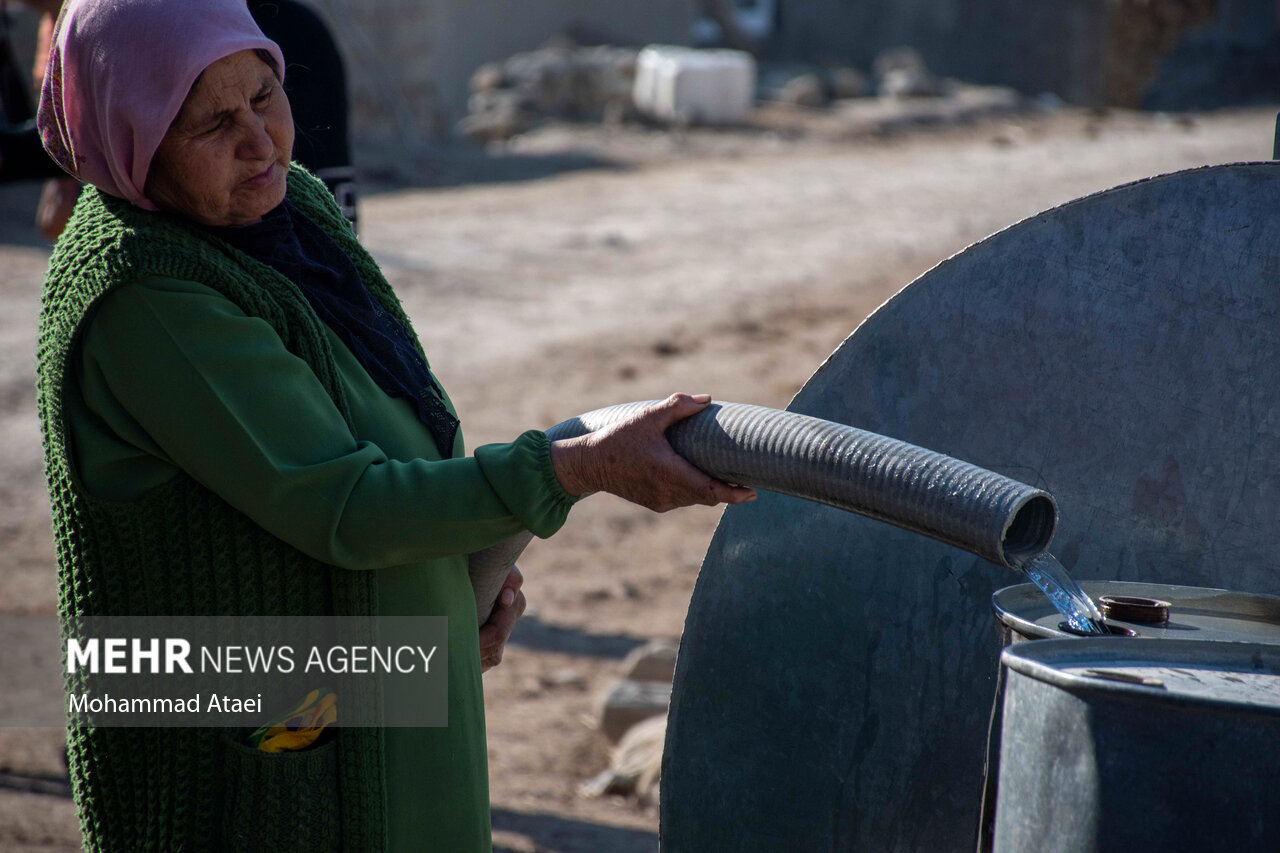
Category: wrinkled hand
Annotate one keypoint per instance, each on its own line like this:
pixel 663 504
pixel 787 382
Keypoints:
pixel 508 608
pixel 634 460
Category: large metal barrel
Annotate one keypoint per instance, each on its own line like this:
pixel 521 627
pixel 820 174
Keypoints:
pixel 1144 610
pixel 1140 746
pixel 1122 352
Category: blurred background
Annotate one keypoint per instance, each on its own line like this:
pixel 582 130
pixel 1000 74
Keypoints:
pixel 584 202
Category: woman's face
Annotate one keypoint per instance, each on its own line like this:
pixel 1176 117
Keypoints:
pixel 225 157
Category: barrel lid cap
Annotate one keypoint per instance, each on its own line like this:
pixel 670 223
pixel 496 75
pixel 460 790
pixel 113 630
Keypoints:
pixel 1194 613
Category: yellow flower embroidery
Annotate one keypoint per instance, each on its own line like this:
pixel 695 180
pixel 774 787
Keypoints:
pixel 300 727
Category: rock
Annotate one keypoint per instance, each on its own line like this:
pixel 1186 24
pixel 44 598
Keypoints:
pixel 563 678
pixel 807 90
pixel 545 78
pixel 488 76
pixel 498 101
pixel 628 702
pixel 496 115
pixel 909 83
pixel 610 72
pixel 511 842
pixel 847 83
pixel 559 80
pixel 574 83
pixel 901 72
pixel 655 661
pixel 771 77
pixel 635 767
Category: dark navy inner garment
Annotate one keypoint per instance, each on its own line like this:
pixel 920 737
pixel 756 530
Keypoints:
pixel 298 249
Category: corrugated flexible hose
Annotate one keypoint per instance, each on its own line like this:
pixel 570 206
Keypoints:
pixel 988 514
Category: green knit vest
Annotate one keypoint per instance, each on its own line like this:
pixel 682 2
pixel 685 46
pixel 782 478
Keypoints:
pixel 182 550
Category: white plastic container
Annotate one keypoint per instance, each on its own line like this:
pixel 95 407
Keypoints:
pixel 680 84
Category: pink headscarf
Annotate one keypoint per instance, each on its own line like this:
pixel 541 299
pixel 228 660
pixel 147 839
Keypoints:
pixel 118 73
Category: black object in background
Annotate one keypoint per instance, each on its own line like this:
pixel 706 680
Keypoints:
pixel 316 84
pixel 22 157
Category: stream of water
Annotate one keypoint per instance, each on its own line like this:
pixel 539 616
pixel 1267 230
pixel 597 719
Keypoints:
pixel 1072 602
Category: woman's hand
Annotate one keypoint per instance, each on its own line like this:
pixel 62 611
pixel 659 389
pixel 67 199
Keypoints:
pixel 633 460
pixel 494 633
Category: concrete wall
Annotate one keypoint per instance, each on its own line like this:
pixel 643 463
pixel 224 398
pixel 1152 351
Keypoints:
pixel 1044 45
pixel 386 45
pixel 410 61
pixel 1092 52
pixel 1248 22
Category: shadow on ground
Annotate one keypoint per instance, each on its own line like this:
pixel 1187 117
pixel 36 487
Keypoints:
pixel 54 785
pixel 532 633
pixel 567 835
pixel 461 164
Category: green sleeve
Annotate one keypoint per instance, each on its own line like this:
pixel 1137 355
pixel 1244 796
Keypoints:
pixel 181 373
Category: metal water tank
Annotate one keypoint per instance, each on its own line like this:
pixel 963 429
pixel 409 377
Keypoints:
pixel 1158 612
pixel 1140 746
pixel 834 683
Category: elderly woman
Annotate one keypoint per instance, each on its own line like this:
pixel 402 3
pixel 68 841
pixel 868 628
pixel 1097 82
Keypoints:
pixel 239 419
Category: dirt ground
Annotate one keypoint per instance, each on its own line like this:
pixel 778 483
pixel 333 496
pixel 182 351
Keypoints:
pixel 581 267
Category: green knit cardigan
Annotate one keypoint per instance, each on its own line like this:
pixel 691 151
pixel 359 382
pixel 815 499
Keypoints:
pixel 181 550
